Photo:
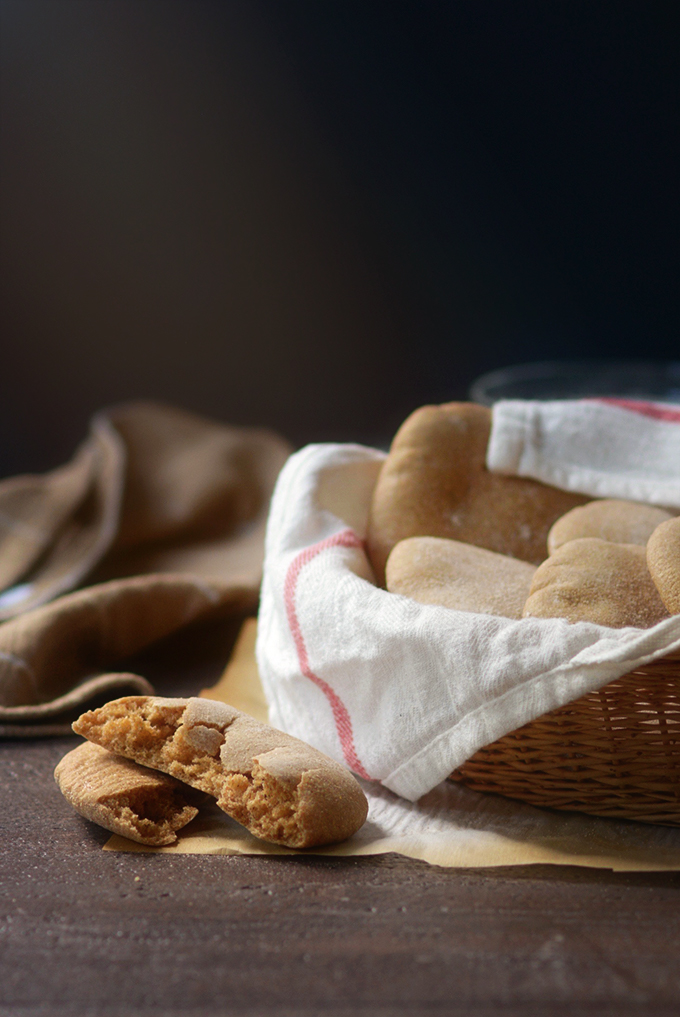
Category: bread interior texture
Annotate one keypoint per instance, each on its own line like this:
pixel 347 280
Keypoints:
pixel 154 815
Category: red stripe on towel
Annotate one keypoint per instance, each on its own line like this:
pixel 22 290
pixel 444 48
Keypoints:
pixel 343 724
pixel 654 410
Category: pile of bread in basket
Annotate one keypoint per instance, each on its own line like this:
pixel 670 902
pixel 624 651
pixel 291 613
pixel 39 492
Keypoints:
pixel 425 616
pixel 527 638
pixel 445 530
pixel 511 546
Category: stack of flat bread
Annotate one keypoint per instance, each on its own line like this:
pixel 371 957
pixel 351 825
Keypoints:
pixel 444 530
pixel 147 758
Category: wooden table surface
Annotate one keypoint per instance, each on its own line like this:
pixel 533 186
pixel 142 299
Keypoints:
pixel 88 932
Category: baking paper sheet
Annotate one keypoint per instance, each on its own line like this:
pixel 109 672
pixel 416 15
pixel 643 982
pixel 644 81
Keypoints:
pixel 451 826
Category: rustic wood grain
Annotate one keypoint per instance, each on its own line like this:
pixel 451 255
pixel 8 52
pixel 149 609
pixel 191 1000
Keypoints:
pixel 87 932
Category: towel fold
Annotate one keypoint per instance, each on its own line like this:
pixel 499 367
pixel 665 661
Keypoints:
pixel 609 448
pixel 157 522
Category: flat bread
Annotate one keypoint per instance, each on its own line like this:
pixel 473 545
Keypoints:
pixel 620 522
pixel 434 483
pixel 663 561
pixel 434 570
pixel 123 797
pixel 597 581
pixel 279 788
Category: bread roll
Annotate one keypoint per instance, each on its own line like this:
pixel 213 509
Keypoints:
pixel 434 483
pixel 433 570
pixel 663 561
pixel 620 522
pixel 593 580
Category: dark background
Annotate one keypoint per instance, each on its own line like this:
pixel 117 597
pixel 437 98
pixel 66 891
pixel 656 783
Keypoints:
pixel 317 215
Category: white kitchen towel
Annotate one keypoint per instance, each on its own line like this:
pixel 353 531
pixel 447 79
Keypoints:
pixel 610 448
pixel 402 692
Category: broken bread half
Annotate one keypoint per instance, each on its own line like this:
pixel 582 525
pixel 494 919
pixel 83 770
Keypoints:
pixel 123 797
pixel 281 789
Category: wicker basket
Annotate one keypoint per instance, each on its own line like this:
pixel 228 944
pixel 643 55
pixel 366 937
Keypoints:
pixel 615 752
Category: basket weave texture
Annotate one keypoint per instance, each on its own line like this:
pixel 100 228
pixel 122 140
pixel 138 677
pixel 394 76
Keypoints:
pixel 614 752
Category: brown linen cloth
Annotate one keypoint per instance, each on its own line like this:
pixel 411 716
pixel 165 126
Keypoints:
pixel 165 513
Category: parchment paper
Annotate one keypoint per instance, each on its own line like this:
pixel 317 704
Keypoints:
pixel 451 826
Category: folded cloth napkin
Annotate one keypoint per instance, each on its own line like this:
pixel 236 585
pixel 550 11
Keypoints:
pixel 403 692
pixel 162 514
pixel 609 448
